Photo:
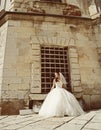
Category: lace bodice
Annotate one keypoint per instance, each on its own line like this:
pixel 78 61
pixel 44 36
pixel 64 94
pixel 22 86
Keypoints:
pixel 58 84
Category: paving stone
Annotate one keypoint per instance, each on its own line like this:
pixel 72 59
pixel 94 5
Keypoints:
pixel 47 124
pixel 87 116
pixel 87 129
pixel 78 122
pixel 70 126
pixel 97 118
pixel 8 118
pixel 61 119
pixel 96 126
pixel 34 128
pixel 21 122
pixel 88 121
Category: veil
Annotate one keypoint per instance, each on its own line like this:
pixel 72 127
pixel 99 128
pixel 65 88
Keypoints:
pixel 62 78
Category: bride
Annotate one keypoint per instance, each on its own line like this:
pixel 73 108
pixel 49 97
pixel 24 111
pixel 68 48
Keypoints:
pixel 60 102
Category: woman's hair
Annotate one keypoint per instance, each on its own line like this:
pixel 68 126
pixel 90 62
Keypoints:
pixel 57 72
pixel 56 79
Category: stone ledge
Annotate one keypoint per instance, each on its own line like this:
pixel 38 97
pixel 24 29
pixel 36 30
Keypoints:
pixel 7 15
pixel 48 2
pixel 26 112
pixel 37 96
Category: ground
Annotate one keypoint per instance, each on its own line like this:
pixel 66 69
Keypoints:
pixel 89 121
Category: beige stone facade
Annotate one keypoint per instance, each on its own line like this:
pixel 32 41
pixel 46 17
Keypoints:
pixel 21 38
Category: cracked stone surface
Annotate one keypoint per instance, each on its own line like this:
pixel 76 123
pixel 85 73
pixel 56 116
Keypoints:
pixel 89 121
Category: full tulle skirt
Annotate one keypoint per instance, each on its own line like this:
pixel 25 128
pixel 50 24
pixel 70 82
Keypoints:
pixel 60 102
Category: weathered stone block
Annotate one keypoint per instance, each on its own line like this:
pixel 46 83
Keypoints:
pixel 14 23
pixel 36 52
pixel 78 89
pixel 26 79
pixel 76 77
pixel 17 1
pixel 12 80
pixel 26 23
pixel 96 101
pixel 35 89
pixel 76 83
pixel 16 5
pixel 37 96
pixel 22 94
pixel 87 101
pixel 10 72
pixel 75 72
pixel 73 50
pixel 73 55
pixel 9 94
pixel 23 73
pixel 26 112
pixel 20 59
pixel 25 86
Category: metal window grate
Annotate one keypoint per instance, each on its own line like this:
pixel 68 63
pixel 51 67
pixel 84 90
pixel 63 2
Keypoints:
pixel 53 59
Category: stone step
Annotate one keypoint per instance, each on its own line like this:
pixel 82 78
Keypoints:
pixel 26 111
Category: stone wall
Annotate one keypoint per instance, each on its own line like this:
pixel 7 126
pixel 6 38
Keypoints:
pixel 25 5
pixel 48 6
pixel 89 50
pixel 17 65
pixel 22 67
pixel 3 36
pixel 31 6
pixel 21 75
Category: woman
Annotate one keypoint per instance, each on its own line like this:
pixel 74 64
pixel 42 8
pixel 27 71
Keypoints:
pixel 60 102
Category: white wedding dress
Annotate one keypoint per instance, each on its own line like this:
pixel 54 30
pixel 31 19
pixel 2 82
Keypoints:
pixel 60 102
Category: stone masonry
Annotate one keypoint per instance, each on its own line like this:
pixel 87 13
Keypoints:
pixel 88 121
pixel 21 36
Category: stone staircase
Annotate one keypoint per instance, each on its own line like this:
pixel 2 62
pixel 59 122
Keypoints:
pixel 34 110
pixel 33 105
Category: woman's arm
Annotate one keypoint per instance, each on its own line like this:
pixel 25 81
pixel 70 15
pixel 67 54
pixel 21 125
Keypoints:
pixel 53 86
pixel 64 86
